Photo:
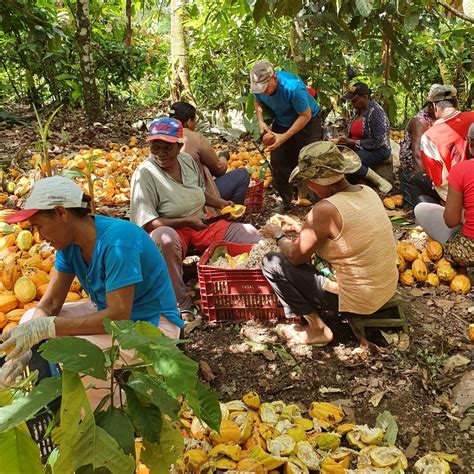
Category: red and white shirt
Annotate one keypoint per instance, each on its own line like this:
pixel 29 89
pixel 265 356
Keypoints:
pixel 444 145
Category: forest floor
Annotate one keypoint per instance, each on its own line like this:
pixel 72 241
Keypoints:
pixel 424 378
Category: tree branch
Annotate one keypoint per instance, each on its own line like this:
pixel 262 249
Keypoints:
pixel 455 12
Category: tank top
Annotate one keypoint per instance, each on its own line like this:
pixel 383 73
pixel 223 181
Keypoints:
pixel 363 255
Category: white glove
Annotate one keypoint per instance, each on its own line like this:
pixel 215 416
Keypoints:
pixel 24 336
pixel 12 369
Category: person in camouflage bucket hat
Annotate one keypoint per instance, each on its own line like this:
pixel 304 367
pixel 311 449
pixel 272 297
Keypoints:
pixel 335 261
pixel 324 163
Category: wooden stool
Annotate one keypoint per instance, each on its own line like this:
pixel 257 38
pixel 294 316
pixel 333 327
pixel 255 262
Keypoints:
pixel 390 315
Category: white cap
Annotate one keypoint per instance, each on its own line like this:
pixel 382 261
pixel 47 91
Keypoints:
pixel 48 193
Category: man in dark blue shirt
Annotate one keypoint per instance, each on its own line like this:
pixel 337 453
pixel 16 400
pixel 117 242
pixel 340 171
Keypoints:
pixel 296 121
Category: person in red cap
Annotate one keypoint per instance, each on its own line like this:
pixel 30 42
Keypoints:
pixel 116 262
pixel 168 199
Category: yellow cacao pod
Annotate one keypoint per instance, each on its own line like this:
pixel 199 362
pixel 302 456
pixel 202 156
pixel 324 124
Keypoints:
pixel 432 280
pixel 194 459
pixel 407 251
pixel 229 433
pixel 72 297
pixel 388 203
pixel 251 465
pixel 24 240
pixel 41 290
pixel 35 261
pixel 401 263
pixel 470 332
pixel 3 320
pixel 34 249
pixel 420 272
pixel 7 327
pixel 446 272
pixel 37 276
pixel 7 241
pixel 461 284
pixel 8 302
pixel 326 413
pixel 48 263
pixel 25 290
pixel 10 274
pixel 397 199
pixel 252 400
pixel 75 285
pixel 15 315
pixel 434 250
pixel 406 278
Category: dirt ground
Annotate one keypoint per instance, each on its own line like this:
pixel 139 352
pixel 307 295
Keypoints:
pixel 425 378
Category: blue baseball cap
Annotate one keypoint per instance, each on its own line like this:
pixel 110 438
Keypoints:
pixel 166 129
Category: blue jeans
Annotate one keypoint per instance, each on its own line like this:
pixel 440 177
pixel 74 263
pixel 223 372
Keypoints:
pixel 233 185
pixel 370 158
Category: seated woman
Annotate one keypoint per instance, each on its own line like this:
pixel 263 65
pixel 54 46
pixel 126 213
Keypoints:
pixel 349 229
pixel 447 224
pixel 232 185
pixel 168 197
pixel 369 135
pixel 116 262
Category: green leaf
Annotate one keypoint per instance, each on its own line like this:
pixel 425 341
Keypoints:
pixel 219 252
pixel 364 6
pixel 386 422
pixel 209 409
pixel 72 173
pixel 147 419
pixel 155 393
pixel 117 424
pixel 25 408
pixel 82 442
pixel 19 454
pixel 77 355
pixel 159 457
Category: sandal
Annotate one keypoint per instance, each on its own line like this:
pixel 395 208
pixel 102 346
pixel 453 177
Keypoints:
pixel 190 314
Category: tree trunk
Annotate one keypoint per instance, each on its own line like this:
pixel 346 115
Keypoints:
pixel 180 83
pixel 89 86
pixel 294 38
pixel 127 39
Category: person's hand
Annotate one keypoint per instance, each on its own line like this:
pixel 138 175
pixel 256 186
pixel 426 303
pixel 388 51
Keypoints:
pixel 346 141
pixel 24 336
pixel 270 230
pixel 263 128
pixel 335 140
pixel 196 223
pixel 288 225
pixel 280 138
pixel 226 203
pixel 12 369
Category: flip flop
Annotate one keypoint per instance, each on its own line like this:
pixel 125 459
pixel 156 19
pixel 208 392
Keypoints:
pixel 190 314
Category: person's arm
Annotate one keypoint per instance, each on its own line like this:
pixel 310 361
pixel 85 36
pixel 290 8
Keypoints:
pixel 416 127
pixel 298 125
pixel 216 202
pixel 175 222
pixel 262 126
pixel 217 166
pixel 119 307
pixel 453 210
pixel 55 295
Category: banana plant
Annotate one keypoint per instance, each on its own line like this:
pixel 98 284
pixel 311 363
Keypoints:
pixel 43 131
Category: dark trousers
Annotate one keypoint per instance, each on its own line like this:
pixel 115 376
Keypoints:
pixel 284 159
pixel 369 159
pixel 233 185
pixel 417 187
pixel 299 288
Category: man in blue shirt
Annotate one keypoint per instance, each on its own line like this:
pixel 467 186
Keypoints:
pixel 296 121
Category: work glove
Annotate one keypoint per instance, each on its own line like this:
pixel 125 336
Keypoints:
pixel 12 369
pixel 24 336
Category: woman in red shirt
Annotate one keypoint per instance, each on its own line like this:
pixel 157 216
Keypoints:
pixel 454 223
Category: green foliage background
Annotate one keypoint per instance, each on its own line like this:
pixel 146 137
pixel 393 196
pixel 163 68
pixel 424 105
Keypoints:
pixel 329 42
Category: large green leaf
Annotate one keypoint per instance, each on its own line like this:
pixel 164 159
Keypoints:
pixel 77 355
pixel 19 454
pixel 387 423
pixel 155 393
pixel 82 442
pixel 159 457
pixel 147 419
pixel 25 408
pixel 364 6
pixel 118 425
pixel 205 405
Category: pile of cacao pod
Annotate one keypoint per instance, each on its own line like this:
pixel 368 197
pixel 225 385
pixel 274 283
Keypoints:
pixel 273 438
pixel 26 267
pixel 429 268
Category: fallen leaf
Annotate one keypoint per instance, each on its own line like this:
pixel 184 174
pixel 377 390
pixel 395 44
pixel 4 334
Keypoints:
pixel 388 424
pixel 391 338
pixel 463 392
pixel 206 371
pixel 375 399
pixel 359 390
pixel 417 292
pixel 269 355
pixel 454 361
pixel 329 390
pixel 412 448
pixel 466 423
pixel 404 342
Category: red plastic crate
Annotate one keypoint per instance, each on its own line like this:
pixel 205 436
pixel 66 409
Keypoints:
pixel 236 295
pixel 254 197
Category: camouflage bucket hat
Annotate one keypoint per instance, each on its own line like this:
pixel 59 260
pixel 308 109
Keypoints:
pixel 325 163
pixel 439 92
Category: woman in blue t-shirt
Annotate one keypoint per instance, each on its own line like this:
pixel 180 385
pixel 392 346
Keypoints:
pixel 118 265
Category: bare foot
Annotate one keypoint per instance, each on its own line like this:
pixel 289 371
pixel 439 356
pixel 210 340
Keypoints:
pixel 306 334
